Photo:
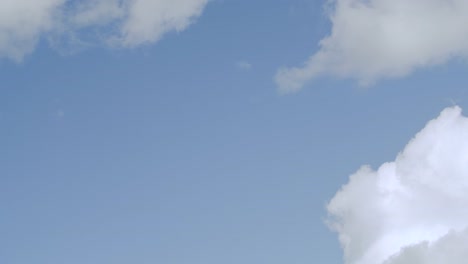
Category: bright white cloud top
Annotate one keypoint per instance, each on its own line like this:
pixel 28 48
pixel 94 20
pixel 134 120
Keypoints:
pixel 414 209
pixel 376 39
pixel 124 23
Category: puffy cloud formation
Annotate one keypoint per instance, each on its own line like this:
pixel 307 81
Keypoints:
pixel 412 210
pixel 375 39
pixel 22 22
pixel 124 23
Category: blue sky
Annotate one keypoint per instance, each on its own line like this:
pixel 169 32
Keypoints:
pixel 170 152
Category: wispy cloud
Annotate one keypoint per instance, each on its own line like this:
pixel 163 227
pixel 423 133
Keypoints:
pixel 121 23
pixel 60 113
pixel 413 209
pixel 244 65
pixel 376 39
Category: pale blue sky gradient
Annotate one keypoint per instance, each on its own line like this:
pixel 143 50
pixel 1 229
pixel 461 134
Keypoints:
pixel 171 154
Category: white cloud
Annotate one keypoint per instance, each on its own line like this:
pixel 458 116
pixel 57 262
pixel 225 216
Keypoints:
pixel 97 12
pixel 21 24
pixel 452 248
pixel 376 39
pixel 122 23
pixel 148 20
pixel 411 210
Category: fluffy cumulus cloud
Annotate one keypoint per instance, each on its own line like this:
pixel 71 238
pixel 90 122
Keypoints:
pixel 22 22
pixel 122 23
pixel 412 210
pixel 375 39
